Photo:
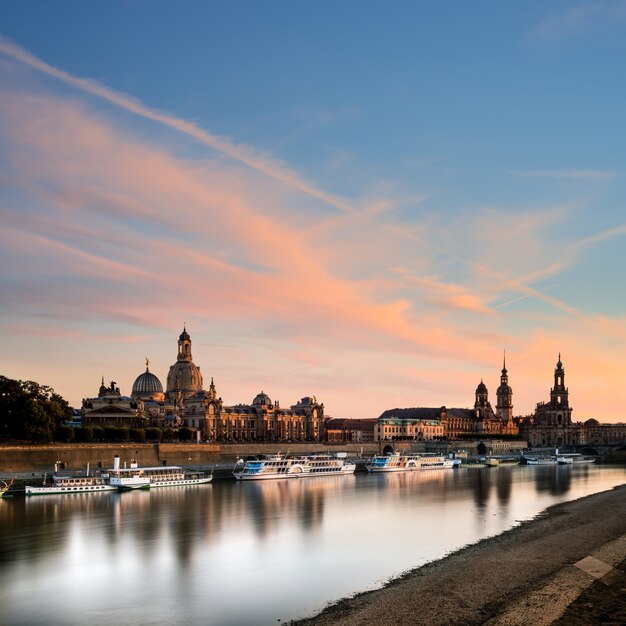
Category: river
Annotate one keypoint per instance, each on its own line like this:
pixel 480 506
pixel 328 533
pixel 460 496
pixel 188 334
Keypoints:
pixel 255 553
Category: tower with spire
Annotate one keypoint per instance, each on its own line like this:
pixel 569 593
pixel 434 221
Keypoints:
pixel 504 396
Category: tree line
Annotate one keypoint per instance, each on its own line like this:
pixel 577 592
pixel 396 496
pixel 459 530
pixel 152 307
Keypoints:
pixel 30 411
pixel 36 413
pixel 88 434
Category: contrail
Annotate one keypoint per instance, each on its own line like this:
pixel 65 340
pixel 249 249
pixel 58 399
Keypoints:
pixel 261 163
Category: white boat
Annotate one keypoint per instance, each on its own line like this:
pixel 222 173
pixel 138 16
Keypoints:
pixel 70 484
pixel 497 461
pixel 135 477
pixel 5 486
pixel 539 460
pixel 574 458
pixel 397 462
pixel 281 466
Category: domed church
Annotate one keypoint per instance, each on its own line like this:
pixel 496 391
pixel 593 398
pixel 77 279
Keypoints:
pixel 185 402
pixel 147 386
pixel 184 378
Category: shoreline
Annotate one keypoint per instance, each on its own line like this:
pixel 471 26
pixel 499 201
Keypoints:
pixel 528 574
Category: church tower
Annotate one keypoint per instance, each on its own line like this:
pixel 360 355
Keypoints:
pixel 184 378
pixel 559 393
pixel 504 395
pixel 481 406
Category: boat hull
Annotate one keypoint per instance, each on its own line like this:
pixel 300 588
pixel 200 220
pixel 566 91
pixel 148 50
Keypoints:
pixel 54 490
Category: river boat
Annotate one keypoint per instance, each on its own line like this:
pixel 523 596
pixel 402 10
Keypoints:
pixel 397 462
pixel 56 484
pixel 135 477
pixel 5 486
pixel 284 466
pixel 539 460
pixel 497 461
pixel 574 458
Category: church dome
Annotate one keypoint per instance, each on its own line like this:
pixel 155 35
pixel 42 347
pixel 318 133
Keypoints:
pixel 262 399
pixel 184 335
pixel 147 386
pixel 184 377
pixel 482 388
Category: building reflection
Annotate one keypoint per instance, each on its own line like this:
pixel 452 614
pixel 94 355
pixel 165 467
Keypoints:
pixel 553 479
pixel 179 520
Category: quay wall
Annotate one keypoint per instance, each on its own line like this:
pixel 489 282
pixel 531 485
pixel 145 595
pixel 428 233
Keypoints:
pixel 29 458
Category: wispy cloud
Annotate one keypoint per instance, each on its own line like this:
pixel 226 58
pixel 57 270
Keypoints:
pixel 259 162
pixel 576 174
pixel 583 17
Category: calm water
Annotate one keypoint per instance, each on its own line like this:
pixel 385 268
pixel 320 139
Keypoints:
pixel 254 553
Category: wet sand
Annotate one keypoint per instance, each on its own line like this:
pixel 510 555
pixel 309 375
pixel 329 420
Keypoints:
pixel 528 575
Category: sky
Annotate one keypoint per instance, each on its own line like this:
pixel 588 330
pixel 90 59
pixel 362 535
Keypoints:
pixel 368 202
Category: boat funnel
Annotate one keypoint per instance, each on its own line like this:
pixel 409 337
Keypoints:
pixel 116 463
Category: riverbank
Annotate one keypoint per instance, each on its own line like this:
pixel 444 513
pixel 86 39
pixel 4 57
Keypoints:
pixel 528 575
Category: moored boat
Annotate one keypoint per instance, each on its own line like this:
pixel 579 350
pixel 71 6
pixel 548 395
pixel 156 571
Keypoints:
pixel 56 484
pixel 5 486
pixel 397 462
pixel 135 477
pixel 498 460
pixel 282 466
pixel 539 460
pixel 574 458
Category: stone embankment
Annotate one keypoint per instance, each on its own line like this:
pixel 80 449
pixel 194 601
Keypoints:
pixel 564 567
pixel 40 458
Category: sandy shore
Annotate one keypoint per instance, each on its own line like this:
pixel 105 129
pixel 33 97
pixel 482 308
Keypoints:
pixel 528 575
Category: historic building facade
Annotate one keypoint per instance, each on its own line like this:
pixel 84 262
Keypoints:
pixel 428 423
pixel 111 408
pixel 262 420
pixel 347 430
pixel 186 403
pixel 551 425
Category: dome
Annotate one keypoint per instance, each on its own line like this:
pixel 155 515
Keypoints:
pixel 184 376
pixel 592 422
pixel 147 386
pixel 261 400
pixel 482 388
pixel 184 335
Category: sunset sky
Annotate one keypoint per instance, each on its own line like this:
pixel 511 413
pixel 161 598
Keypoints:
pixel 363 201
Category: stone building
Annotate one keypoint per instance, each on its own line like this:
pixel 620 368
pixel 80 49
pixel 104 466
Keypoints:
pixel 347 430
pixel 425 423
pixel 551 425
pixel 159 409
pixel 262 420
pixel 111 408
pixel 184 378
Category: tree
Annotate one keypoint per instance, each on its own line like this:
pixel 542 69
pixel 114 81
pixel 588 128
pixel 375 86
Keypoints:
pixel 185 434
pixel 30 411
pixel 138 435
pixel 154 434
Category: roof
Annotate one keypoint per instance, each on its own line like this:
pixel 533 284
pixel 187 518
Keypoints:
pixel 418 413
pixel 426 413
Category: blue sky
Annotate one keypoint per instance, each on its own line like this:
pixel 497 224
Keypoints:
pixel 371 201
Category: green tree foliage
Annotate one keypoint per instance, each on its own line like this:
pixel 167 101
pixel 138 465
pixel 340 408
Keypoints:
pixel 30 411
pixel 66 434
pixel 84 434
pixel 154 434
pixel 137 435
pixel 185 434
pixel 98 433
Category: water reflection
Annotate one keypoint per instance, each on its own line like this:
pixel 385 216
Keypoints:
pixel 240 553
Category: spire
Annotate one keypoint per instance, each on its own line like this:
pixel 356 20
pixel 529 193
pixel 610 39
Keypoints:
pixel 504 363
pixel 147 363
pixel 559 365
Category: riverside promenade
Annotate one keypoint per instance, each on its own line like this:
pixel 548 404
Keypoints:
pixel 565 567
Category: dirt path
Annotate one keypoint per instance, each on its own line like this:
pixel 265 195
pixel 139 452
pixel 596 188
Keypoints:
pixel 526 575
